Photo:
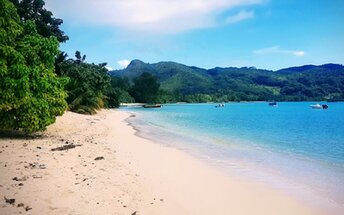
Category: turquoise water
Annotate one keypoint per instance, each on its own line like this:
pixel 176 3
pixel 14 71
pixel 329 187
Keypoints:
pixel 290 146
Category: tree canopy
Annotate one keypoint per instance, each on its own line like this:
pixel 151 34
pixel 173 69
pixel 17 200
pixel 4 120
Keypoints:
pixel 31 96
pixel 146 88
pixel 89 85
pixel 46 24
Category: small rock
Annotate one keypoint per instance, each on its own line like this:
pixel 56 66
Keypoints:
pixel 35 176
pixel 38 147
pixel 134 213
pixel 20 179
pixel 20 205
pixel 27 208
pixel 99 158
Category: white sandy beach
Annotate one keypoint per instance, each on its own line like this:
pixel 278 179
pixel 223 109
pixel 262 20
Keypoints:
pixel 131 175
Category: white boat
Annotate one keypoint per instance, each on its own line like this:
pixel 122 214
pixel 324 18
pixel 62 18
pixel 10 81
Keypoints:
pixel 220 105
pixel 317 106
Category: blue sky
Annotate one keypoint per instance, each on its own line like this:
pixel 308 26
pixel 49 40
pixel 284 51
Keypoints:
pixel 268 34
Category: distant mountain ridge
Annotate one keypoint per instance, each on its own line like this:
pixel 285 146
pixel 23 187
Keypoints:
pixel 329 66
pixel 308 82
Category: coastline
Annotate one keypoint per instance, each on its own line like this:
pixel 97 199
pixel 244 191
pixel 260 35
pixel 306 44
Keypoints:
pixel 131 174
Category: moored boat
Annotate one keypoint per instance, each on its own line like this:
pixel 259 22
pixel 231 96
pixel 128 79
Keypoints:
pixel 319 106
pixel 152 106
pixel 220 105
pixel 273 104
pixel 316 106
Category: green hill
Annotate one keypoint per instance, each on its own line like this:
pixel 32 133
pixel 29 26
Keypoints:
pixel 302 83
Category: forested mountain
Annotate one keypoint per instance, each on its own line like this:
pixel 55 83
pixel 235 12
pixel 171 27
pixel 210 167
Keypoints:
pixel 192 84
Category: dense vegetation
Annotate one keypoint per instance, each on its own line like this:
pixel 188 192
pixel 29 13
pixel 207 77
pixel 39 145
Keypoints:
pixel 145 88
pixel 46 24
pixel 88 84
pixel 38 82
pixel 192 84
pixel 31 95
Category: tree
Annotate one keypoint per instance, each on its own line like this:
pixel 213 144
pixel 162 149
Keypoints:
pixel 59 59
pixel 80 59
pixel 31 96
pixel 146 88
pixel 119 91
pixel 46 24
pixel 88 87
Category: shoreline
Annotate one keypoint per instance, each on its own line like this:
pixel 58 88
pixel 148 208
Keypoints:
pixel 210 170
pixel 111 170
pixel 234 167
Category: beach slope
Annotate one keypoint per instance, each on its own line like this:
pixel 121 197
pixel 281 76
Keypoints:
pixel 97 165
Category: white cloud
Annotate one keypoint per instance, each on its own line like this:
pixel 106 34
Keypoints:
pixel 123 63
pixel 163 16
pixel 277 50
pixel 109 68
pixel 242 15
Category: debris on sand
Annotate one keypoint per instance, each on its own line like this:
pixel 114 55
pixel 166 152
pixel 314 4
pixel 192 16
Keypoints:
pixel 27 208
pixel 65 147
pixel 20 179
pixel 9 201
pixel 99 158
pixel 35 176
pixel 35 165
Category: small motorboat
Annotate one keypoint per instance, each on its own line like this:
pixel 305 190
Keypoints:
pixel 152 106
pixel 273 104
pixel 319 106
pixel 220 105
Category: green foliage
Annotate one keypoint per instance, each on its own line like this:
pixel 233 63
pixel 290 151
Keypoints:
pixel 119 91
pixel 89 85
pixel 192 84
pixel 198 98
pixel 31 96
pixel 145 89
pixel 165 96
pixel 46 24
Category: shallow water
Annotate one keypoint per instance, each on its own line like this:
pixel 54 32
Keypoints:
pixel 291 147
